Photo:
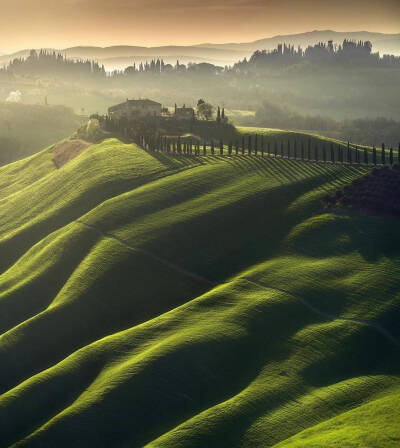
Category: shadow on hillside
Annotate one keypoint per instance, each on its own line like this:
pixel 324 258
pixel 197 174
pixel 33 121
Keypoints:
pixel 174 161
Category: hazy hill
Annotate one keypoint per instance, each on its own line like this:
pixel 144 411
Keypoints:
pixel 219 54
pixel 27 128
pixel 161 301
pixel 122 56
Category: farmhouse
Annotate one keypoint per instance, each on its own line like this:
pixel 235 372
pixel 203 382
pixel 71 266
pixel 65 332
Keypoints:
pixel 134 108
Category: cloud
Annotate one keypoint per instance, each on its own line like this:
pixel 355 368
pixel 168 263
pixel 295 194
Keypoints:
pixel 14 97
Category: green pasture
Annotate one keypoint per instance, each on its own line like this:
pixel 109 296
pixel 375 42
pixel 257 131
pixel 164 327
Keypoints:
pixel 157 300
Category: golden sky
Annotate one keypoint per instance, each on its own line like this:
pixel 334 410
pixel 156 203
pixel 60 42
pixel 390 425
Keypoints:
pixel 64 23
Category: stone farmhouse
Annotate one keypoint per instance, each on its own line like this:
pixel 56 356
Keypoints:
pixel 147 108
pixel 135 108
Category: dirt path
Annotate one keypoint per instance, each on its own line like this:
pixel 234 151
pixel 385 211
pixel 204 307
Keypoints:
pixel 67 150
pixel 149 254
pixel 330 317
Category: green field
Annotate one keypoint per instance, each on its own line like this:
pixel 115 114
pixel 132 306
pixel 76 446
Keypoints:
pixel 153 300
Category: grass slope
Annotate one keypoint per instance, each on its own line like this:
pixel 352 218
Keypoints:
pixel 164 301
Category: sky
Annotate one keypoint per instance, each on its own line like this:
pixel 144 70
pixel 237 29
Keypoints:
pixel 65 23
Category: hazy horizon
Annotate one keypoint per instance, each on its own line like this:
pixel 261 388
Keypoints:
pixel 69 23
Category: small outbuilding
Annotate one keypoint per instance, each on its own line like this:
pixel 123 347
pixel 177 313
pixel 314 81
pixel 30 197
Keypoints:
pixel 184 113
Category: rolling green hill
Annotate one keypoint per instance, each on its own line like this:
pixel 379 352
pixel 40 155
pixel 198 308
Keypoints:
pixel 152 300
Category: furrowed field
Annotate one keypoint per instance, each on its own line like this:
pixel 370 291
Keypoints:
pixel 155 300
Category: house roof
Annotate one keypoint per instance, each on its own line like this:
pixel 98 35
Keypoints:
pixel 144 102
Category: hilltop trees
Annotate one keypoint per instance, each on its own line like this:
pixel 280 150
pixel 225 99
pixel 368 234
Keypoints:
pixel 348 52
pixel 205 110
pixel 46 62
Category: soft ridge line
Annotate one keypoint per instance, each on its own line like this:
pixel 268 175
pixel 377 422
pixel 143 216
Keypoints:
pixel 329 316
pixel 149 254
pixel 379 328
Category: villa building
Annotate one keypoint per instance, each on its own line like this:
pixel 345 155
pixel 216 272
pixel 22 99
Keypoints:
pixel 134 108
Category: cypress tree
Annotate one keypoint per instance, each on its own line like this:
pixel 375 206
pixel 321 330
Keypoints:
pixel 391 156
pixel 204 148
pixel 212 147
pixel 324 152
pixel 374 155
pixel 219 114
pixel 288 149
pixel 249 148
pixel 276 149
pixel 383 158
pixel 295 150
pixel 221 147
pixel 236 146
pixel 243 145
pixel 255 144
pixel 398 154
pixel 316 153
pixel 332 153
pixel 230 148
pixel 366 156
pixel 262 146
pixel 302 150
pixel 223 113
pixel 179 146
pixel 309 150
pixel 268 148
pixel 282 150
pixel 348 153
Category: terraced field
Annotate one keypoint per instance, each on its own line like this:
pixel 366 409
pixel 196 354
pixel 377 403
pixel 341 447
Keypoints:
pixel 152 300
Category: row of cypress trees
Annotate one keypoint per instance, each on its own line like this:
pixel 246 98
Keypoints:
pixel 257 145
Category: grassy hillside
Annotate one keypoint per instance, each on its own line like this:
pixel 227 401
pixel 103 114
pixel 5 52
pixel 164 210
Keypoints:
pixel 166 301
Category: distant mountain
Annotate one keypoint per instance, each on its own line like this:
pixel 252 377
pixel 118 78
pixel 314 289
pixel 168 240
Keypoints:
pixel 219 54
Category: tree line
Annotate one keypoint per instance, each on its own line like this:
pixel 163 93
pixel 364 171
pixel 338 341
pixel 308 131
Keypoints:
pixel 46 62
pixel 349 52
pixel 360 53
pixel 302 149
